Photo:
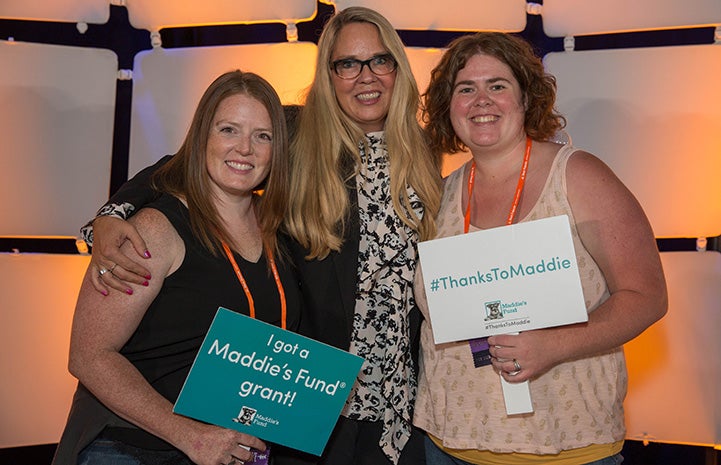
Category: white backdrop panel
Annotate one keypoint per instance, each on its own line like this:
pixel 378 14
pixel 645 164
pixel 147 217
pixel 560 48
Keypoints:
pixel 653 115
pixel 89 11
pixel 38 299
pixel 56 129
pixel 423 60
pixel 167 85
pixel 155 14
pixel 477 15
pixel 675 366
pixel 571 17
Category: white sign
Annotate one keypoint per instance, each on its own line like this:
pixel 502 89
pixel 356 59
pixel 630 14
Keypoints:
pixel 502 280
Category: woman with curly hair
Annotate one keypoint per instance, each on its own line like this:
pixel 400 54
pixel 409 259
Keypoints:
pixel 490 94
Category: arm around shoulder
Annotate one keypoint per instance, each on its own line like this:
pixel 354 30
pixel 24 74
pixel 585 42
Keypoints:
pixel 108 231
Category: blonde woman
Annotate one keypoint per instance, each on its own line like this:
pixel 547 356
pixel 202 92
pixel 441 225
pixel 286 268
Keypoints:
pixel 364 189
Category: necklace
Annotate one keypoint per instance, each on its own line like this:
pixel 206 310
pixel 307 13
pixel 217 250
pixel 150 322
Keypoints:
pixel 246 289
pixel 516 197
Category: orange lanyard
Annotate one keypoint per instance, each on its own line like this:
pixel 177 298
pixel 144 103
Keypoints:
pixel 516 197
pixel 278 283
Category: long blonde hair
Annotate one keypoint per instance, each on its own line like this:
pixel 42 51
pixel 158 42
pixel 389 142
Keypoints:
pixel 324 153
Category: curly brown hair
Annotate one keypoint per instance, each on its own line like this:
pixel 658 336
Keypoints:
pixel 542 120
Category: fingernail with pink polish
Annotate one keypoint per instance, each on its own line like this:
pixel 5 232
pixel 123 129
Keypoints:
pixel 147 276
pixel 105 293
pixel 129 291
pixel 146 284
pixel 147 254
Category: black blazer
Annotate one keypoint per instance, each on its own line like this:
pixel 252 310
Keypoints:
pixel 329 286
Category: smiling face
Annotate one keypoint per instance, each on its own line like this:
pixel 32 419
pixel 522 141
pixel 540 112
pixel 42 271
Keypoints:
pixel 238 153
pixel 487 109
pixel 366 98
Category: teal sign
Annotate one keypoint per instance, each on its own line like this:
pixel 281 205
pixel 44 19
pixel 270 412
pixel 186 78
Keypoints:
pixel 256 378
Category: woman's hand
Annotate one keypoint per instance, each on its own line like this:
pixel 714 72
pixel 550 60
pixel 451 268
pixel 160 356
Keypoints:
pixel 212 445
pixel 524 356
pixel 111 267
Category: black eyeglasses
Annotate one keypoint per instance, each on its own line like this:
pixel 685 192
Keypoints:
pixel 350 68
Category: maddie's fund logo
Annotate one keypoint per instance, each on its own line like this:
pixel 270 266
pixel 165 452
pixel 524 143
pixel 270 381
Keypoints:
pixel 250 416
pixel 497 309
pixel 246 416
pixel 504 315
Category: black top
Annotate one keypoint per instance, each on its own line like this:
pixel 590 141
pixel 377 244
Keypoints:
pixel 172 330
pixel 168 337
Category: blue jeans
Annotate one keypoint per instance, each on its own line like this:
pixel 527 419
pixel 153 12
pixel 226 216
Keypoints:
pixel 109 452
pixel 435 456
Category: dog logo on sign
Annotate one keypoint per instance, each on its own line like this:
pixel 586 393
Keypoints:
pixel 493 310
pixel 246 416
